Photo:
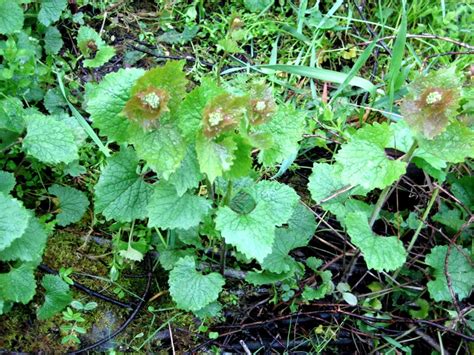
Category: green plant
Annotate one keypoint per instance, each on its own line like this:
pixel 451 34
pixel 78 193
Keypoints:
pixel 197 184
pixel 431 136
pixel 74 319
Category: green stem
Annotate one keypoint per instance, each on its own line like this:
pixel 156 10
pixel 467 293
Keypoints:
pixel 130 235
pixel 385 194
pixel 219 67
pixel 225 202
pixel 228 194
pixel 423 218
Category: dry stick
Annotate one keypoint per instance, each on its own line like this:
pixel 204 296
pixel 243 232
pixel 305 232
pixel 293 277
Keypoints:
pixel 245 347
pixel 429 340
pixel 371 31
pixel 423 35
pixel 444 54
pixel 171 338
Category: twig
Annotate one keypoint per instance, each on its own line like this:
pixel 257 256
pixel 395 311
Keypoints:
pixel 423 35
pixel 245 347
pixel 444 54
pixel 429 340
pixel 171 339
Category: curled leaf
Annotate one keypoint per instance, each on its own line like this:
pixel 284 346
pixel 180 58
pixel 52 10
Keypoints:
pixel 262 105
pixel 432 102
pixel 147 106
pixel 223 113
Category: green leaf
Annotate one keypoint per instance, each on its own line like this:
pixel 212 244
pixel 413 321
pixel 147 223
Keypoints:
pixel 74 169
pixel 460 271
pixel 7 182
pixel 131 254
pixel 104 54
pixel 29 247
pixel 253 233
pixel 57 296
pixel 451 218
pixel 18 285
pixel 173 36
pixel 187 176
pixel 11 17
pixel 265 277
pixel 189 117
pixel 463 190
pixel 53 41
pixel 364 161
pixel 301 228
pixel 189 236
pixel 72 204
pixel 325 184
pixel 93 48
pixel 454 145
pixel 286 129
pixel 243 160
pixel 228 45
pixel 167 210
pixel 54 101
pixel 380 253
pixel 325 288
pixel 169 257
pixel 257 5
pixel 106 101
pixel 12 114
pixel 121 193
pixel 13 220
pixel 80 135
pixel 51 10
pixel 50 141
pixel 192 290
pixel 215 158
pixel 163 149
pixel 170 77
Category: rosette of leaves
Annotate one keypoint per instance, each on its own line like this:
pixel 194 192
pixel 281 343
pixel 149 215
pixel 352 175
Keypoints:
pixel 173 143
pixel 432 102
pixel 94 48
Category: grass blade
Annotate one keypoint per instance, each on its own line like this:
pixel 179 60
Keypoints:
pixel 397 56
pixel 82 121
pixel 318 73
pixel 356 67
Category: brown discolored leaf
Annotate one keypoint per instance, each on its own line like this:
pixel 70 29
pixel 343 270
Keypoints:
pixel 223 113
pixel 262 105
pixel 432 102
pixel 146 107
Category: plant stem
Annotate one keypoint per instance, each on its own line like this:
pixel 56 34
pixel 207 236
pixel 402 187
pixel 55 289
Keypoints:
pixel 225 202
pixel 434 195
pixel 219 67
pixel 384 195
